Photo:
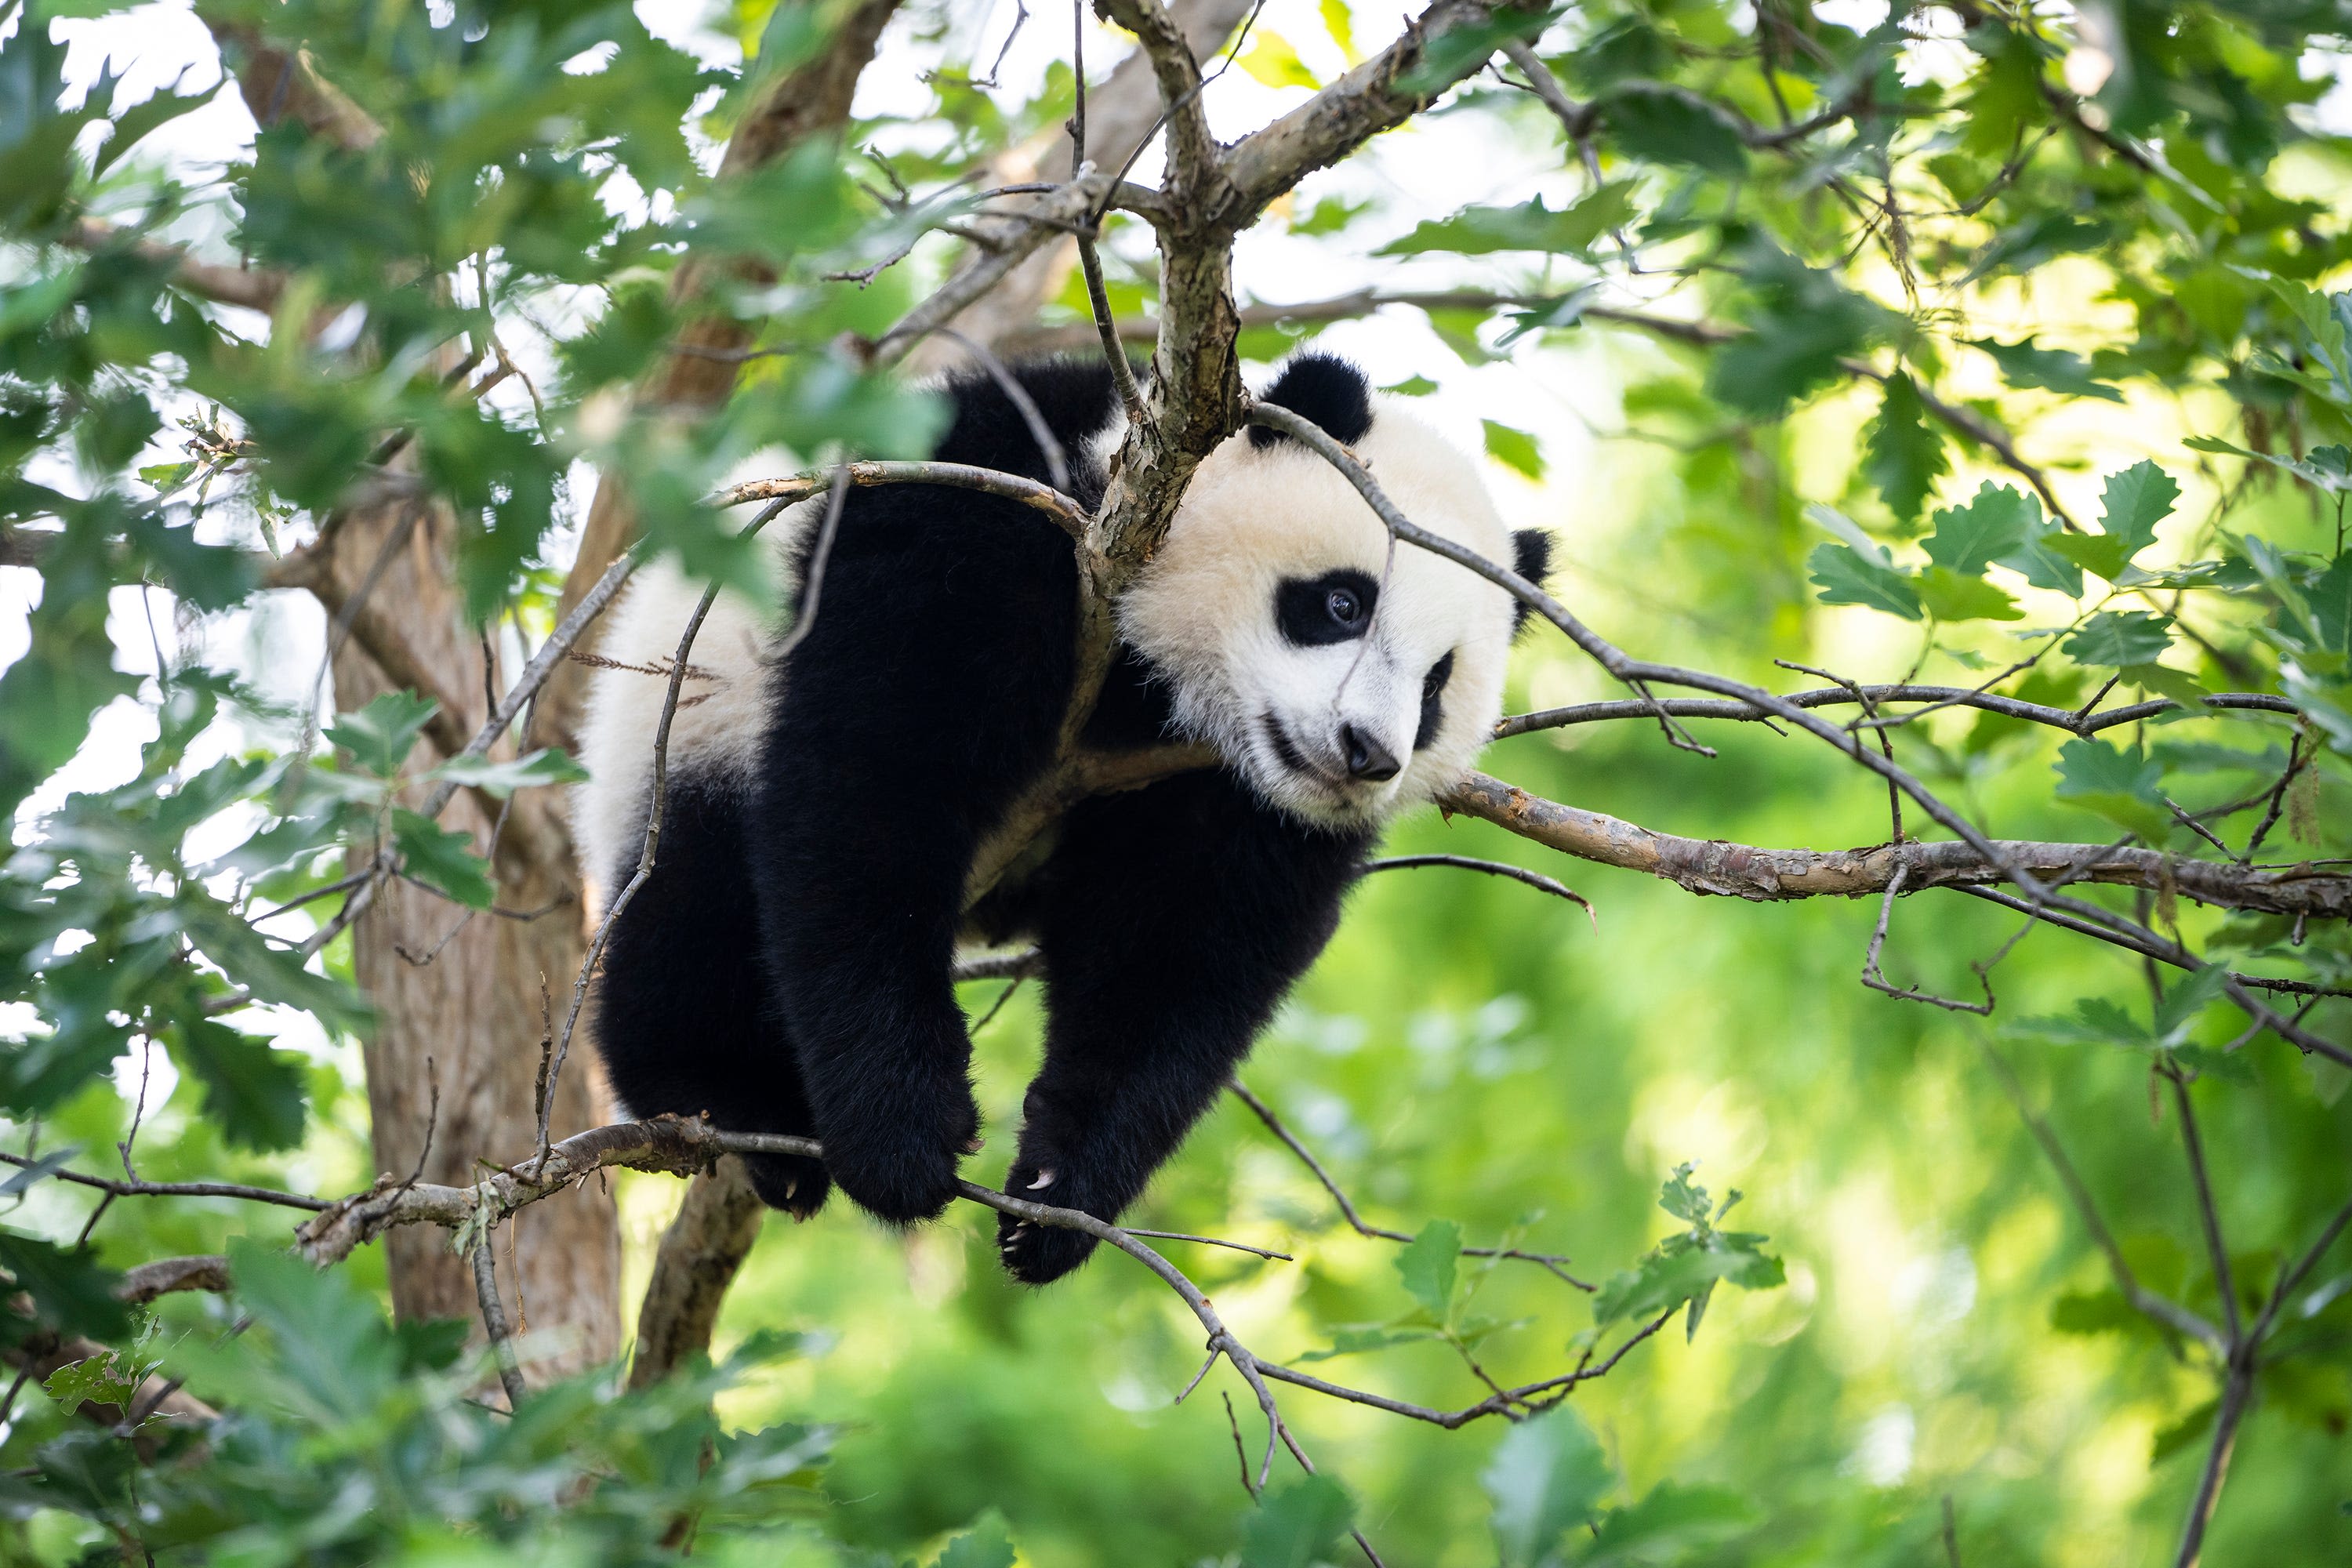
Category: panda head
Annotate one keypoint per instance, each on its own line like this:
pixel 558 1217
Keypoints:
pixel 1344 682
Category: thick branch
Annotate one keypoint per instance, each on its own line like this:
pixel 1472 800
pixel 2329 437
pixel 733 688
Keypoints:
pixel 1743 871
pixel 1378 94
pixel 700 1253
pixel 281 82
pixel 810 101
pixel 255 291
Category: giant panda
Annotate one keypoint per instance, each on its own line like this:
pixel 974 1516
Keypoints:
pixel 786 966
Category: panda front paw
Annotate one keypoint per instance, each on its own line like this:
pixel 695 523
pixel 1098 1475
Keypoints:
pixel 1035 1253
pixel 902 1168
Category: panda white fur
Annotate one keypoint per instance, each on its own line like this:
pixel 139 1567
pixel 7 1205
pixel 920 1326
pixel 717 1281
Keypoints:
pixel 785 968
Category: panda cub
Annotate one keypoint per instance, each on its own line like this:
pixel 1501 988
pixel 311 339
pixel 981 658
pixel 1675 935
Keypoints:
pixel 786 966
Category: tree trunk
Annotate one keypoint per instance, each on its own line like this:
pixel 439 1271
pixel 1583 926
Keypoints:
pixel 469 1020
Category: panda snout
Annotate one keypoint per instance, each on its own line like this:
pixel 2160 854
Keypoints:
pixel 1369 762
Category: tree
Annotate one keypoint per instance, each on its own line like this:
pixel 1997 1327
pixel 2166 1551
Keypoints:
pixel 1870 288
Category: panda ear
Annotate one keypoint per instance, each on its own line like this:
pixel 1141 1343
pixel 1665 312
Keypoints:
pixel 1325 390
pixel 1531 559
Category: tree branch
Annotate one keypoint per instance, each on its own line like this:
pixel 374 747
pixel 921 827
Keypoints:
pixel 1743 871
pixel 254 290
pixel 2070 720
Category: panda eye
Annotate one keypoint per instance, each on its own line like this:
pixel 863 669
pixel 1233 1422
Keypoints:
pixel 1336 607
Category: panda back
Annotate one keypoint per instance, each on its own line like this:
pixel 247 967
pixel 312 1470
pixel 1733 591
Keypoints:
pixel 723 702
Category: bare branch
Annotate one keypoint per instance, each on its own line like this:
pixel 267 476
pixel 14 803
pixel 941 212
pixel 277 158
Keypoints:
pixel 177 1189
pixel 1381 93
pixel 1493 868
pixel 1744 871
pixel 146 1282
pixel 281 82
pixel 494 1322
pixel 253 289
pixel 1065 511
pixel 2071 720
pixel 1550 1261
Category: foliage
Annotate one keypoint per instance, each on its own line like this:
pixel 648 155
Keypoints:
pixel 1974 346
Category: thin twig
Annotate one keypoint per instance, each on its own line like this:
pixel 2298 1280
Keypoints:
pixel 494 1322
pixel 1493 868
pixel 177 1189
pixel 1550 1262
pixel 2158 1308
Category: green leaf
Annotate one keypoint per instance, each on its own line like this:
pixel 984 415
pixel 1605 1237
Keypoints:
pixel 2123 787
pixel 1273 61
pixel 1301 1525
pixel 1995 522
pixel 1548 1477
pixel 1804 325
pixel 1329 215
pixel 443 859
pixel 1683 1198
pixel 2327 478
pixel 1514 448
pixel 2328 598
pixel 549 765
pixel 2137 500
pixel 2120 637
pixel 1411 386
pixel 2037 562
pixel 40 1170
pixel 987 1544
pixel 2186 1433
pixel 2166 681
pixel 1904 455
pixel 1665 1527
pixel 1845 576
pixel 1661 126
pixel 1483 230
pixel 2098 553
pixel 1426 1265
pixel 2094 1312
pixel 2188 998
pixel 253 1092
pixel 72 1292
pixel 106 1378
pixel 379 736
pixel 1674 1275
pixel 133 124
pixel 1950 596
pixel 1355 1341
pixel 2053 370
pixel 2207 1062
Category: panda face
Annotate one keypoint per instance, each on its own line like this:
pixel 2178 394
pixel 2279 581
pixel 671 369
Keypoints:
pixel 1344 680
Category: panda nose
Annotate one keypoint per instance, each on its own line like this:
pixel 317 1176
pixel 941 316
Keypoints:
pixel 1367 758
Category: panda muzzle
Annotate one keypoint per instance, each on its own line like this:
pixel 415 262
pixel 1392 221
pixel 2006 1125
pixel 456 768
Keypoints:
pixel 1369 762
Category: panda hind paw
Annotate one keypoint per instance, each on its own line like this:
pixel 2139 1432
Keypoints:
pixel 797 1186
pixel 1035 1253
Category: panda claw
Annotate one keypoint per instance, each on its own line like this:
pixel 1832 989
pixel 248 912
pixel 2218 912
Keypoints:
pixel 1044 1179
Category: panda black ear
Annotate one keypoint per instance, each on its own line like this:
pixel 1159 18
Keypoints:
pixel 1325 389
pixel 1531 559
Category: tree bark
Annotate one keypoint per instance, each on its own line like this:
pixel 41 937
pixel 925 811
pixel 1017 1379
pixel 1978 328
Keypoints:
pixel 468 1021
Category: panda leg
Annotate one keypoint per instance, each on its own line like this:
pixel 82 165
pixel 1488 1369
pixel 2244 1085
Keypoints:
pixel 1174 918
pixel 928 693
pixel 683 1020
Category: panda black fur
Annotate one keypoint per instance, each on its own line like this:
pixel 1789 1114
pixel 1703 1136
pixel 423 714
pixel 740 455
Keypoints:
pixel 786 966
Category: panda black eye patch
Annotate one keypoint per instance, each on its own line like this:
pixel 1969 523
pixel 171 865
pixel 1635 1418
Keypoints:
pixel 1336 607
pixel 1433 701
